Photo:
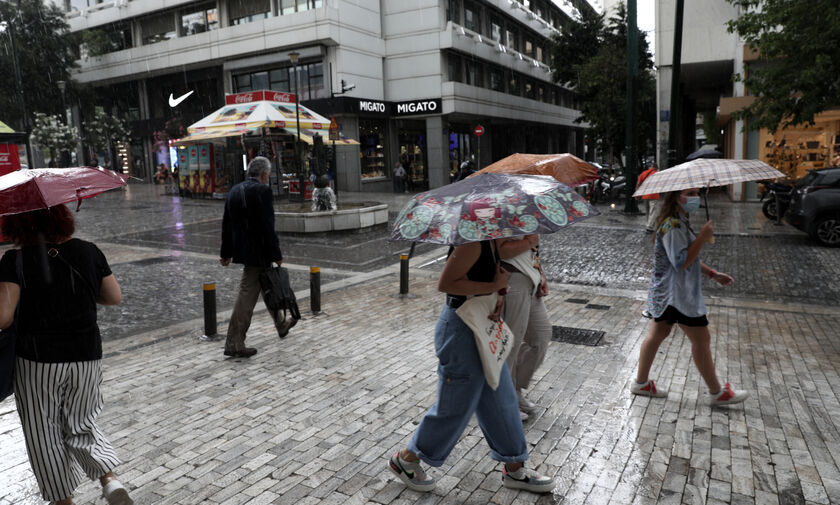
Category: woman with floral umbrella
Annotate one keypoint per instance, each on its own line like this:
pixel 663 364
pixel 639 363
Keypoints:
pixel 470 215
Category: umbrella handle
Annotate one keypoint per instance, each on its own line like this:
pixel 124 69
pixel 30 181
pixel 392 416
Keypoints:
pixel 711 240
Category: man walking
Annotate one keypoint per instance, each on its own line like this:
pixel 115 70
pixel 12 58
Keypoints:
pixel 248 237
pixel 651 201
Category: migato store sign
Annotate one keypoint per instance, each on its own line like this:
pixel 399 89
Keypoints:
pixel 416 107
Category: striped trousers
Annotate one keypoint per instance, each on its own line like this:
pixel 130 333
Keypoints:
pixel 58 404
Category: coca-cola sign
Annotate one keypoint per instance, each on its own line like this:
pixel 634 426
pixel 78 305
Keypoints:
pixel 255 96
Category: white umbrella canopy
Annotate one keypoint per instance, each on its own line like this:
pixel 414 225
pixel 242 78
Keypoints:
pixel 706 173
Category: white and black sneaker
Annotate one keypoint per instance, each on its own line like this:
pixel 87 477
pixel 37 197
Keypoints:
pixel 411 473
pixel 527 480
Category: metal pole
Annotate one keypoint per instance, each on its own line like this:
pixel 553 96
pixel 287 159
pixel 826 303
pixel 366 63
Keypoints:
pixel 632 52
pixel 403 274
pixel 675 115
pixel 298 157
pixel 210 329
pixel 315 290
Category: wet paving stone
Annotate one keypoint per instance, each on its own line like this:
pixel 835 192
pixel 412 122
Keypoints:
pixel 786 268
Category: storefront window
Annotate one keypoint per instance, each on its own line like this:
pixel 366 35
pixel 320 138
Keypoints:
pixel 460 148
pixel 246 11
pixel 158 28
pixel 199 20
pixel 413 158
pixel 372 148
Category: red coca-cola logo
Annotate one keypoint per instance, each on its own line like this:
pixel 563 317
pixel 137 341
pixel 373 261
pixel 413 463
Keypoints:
pixel 244 98
pixel 282 97
pixel 316 126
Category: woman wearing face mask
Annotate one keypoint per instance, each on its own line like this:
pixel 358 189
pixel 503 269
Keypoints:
pixel 675 296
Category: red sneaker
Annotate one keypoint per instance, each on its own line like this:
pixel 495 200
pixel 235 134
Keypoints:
pixel 727 396
pixel 647 389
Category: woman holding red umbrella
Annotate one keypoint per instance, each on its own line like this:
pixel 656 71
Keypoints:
pixel 49 288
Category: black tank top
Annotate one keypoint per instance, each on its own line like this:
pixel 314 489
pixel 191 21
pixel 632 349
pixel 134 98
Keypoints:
pixel 484 268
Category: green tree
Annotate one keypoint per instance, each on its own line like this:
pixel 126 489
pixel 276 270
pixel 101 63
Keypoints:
pixel 105 131
pixel 589 56
pixel 52 135
pixel 45 54
pixel 797 73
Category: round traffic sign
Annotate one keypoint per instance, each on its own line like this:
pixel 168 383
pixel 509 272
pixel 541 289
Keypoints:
pixel 478 131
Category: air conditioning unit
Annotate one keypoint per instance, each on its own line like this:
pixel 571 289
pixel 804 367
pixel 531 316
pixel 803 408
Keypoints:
pixel 500 48
pixel 462 32
pixel 478 38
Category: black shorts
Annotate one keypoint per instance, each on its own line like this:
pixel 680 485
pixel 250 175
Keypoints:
pixel 672 315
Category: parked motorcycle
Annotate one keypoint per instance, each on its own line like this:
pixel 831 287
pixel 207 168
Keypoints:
pixel 775 192
pixel 608 187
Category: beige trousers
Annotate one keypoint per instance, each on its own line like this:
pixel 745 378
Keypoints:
pixel 527 318
pixel 243 308
pixel 652 213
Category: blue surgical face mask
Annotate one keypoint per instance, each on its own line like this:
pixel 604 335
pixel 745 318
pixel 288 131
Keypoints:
pixel 692 204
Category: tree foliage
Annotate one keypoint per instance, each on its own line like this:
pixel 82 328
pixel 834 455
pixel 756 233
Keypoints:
pixel 44 48
pixel 590 57
pixel 53 136
pixel 105 130
pixel 799 61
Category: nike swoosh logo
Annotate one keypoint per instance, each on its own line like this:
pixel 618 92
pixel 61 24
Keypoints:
pixel 173 102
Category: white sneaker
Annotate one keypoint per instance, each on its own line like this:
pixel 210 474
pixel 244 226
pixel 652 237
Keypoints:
pixel 411 473
pixel 647 389
pixel 727 396
pixel 526 405
pixel 527 480
pixel 523 416
pixel 115 493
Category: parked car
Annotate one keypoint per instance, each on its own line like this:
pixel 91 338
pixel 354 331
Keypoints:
pixel 815 206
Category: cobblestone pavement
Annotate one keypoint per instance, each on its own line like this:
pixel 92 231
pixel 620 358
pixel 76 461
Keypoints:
pixel 312 419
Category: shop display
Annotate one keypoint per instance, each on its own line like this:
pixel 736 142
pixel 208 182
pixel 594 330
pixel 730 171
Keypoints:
pixel 372 152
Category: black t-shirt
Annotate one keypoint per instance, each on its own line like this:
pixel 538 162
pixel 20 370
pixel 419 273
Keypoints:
pixel 56 320
pixel 484 268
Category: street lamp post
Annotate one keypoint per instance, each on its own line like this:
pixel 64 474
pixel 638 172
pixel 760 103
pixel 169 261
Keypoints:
pixel 294 56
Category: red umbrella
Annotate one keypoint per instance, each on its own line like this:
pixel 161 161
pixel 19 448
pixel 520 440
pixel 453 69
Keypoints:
pixel 566 168
pixel 41 188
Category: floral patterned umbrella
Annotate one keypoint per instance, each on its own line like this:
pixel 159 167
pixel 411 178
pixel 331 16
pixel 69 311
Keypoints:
pixel 489 207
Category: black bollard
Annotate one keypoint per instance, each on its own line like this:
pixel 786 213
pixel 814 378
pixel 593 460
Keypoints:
pixel 403 274
pixel 315 290
pixel 209 311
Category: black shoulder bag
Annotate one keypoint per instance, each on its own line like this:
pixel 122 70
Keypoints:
pixel 7 341
pixel 277 291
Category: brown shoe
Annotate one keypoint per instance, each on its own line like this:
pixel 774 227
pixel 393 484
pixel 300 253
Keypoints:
pixel 244 353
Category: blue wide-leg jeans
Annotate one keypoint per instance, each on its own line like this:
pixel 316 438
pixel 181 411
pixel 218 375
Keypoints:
pixel 462 391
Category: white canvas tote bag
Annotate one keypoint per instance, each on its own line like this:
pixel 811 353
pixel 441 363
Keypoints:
pixel 493 338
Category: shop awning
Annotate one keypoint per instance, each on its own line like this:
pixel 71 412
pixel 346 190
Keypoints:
pixel 211 135
pixel 9 135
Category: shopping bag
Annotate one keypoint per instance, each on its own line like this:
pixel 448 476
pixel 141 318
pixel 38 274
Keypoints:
pixel 277 291
pixel 493 338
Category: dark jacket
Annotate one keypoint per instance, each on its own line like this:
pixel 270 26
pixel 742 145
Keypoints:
pixel 248 234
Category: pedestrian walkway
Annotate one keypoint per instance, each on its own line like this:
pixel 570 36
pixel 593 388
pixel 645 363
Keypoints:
pixel 312 419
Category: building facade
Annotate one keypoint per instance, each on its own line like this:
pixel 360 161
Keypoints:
pixel 409 79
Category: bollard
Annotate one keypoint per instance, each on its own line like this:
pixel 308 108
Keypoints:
pixel 315 289
pixel 403 274
pixel 209 311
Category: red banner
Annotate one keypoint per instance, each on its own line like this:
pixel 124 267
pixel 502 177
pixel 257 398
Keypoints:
pixel 256 96
pixel 9 159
